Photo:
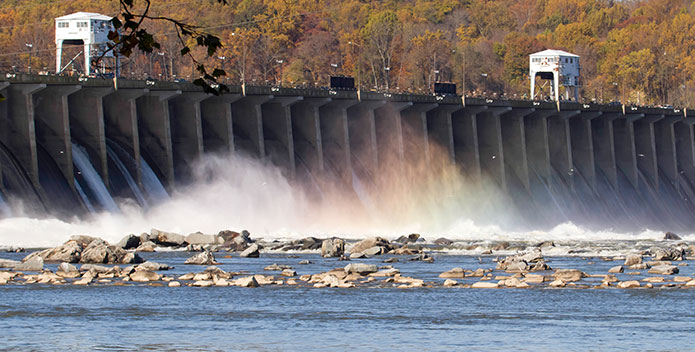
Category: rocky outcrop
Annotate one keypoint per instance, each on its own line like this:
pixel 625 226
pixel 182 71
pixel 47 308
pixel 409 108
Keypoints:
pixel 672 236
pixel 235 241
pixel 199 238
pixel 252 252
pixel 530 261
pixel 569 275
pixel 332 248
pixel 7 263
pixel 203 258
pixel 100 252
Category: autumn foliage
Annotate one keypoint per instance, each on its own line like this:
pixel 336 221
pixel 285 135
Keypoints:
pixel 638 51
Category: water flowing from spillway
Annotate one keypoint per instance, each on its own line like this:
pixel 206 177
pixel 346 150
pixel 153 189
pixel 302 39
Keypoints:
pixel 89 183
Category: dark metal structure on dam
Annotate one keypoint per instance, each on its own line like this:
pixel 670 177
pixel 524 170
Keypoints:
pixel 603 165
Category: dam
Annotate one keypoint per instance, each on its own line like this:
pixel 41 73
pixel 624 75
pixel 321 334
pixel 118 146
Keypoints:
pixel 72 145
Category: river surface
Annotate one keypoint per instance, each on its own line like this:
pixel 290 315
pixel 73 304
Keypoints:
pixel 291 318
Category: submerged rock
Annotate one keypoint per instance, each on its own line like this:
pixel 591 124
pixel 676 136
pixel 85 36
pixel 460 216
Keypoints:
pixel 443 241
pixel 203 258
pixel 332 247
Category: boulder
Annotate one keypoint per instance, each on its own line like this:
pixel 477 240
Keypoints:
pixel 672 236
pixel 32 264
pixel 412 238
pixel 253 251
pixel 455 273
pixel 67 270
pixel 167 239
pixel 153 266
pixel 202 258
pixel 147 246
pixel 664 270
pixel 360 268
pixel 629 284
pixel 332 247
pixel 485 284
pixel 372 251
pixel 569 275
pixel 235 241
pixel 633 259
pixel 501 246
pixel 305 262
pixel 199 238
pixel 276 267
pixel 7 263
pixel 129 241
pixel 248 281
pixel 659 254
pixel 361 246
pixel 69 252
pixel 450 283
pixel 288 272
pixel 81 240
pixel 357 255
pixel 174 284
pixel 203 283
pixel 100 252
pixel 443 241
pixel 145 276
pixel 616 269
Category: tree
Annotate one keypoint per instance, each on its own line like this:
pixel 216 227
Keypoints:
pixel 381 33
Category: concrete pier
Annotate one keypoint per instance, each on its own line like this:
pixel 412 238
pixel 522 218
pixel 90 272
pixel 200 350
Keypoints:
pixel 538 152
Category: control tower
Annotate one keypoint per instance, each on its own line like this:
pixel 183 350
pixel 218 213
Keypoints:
pixel 83 28
pixel 559 66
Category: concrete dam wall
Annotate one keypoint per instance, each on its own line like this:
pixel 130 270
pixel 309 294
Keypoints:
pixel 69 145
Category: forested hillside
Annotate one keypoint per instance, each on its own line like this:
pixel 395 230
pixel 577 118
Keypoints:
pixel 642 49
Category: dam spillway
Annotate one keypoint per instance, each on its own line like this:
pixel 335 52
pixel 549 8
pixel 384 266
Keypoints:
pixel 607 166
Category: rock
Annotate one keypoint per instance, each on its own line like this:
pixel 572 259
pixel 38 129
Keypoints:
pixel 202 239
pixel 195 248
pixel 7 263
pixel 511 282
pixel 288 272
pixel 681 279
pixel 276 267
pixel 203 283
pixel 640 266
pixel 235 241
pixel 310 243
pixel 386 273
pixel 100 252
pixel 372 251
pixel 174 284
pixel 534 278
pixel 501 246
pixel 144 276
pixel 84 281
pixel 485 284
pixel 546 244
pixel 390 260
pixel 672 236
pixel 129 241
pixel 616 269
pixel 11 249
pixel 332 247
pixel 253 251
pixel 455 273
pixel 557 283
pixel 203 258
pixel 360 268
pixel 569 275
pixel 659 254
pixel 633 259
pixel 167 239
pixel 67 268
pixel 95 268
pixel 690 283
pixel 361 246
pixel 357 255
pixel 412 238
pixel 664 270
pixel 305 262
pixel 69 252
pixel 248 281
pixel 443 241
pixel 629 284
pixel 153 266
pixel 33 264
pixel 450 283
pixel 147 246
